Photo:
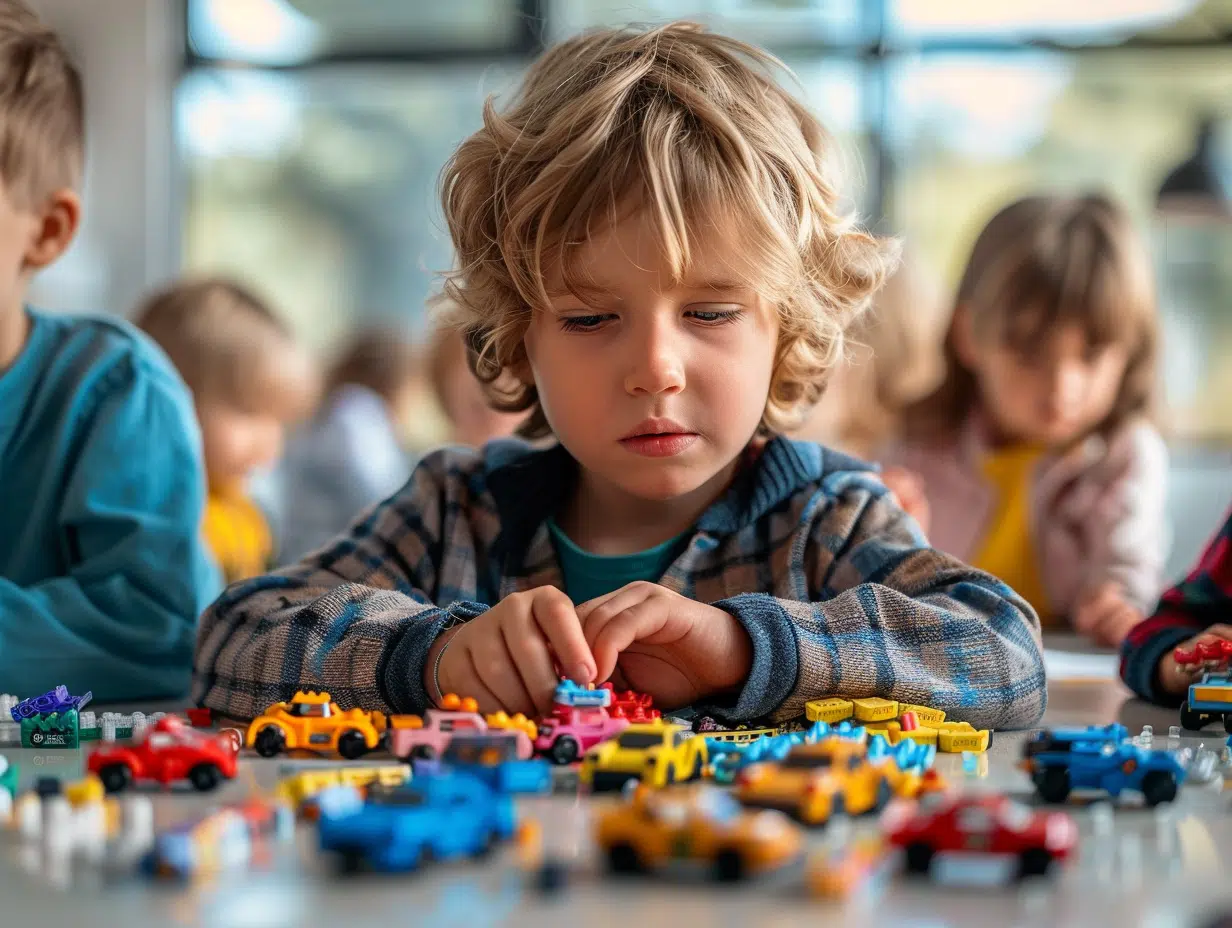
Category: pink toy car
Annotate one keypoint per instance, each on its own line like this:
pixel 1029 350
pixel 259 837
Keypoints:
pixel 571 731
pixel 428 742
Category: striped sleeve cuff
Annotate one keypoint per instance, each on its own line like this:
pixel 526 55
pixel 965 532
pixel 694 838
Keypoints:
pixel 775 657
pixel 401 677
pixel 1144 649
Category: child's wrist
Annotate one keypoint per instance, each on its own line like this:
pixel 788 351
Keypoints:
pixel 432 667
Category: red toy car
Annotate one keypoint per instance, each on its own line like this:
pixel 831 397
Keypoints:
pixel 979 825
pixel 170 751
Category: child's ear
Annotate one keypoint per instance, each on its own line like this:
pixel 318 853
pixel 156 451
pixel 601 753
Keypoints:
pixel 55 226
pixel 962 337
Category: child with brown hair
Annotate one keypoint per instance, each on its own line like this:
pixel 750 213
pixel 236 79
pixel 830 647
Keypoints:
pixel 249 379
pixel 1037 453
pixel 102 567
pixel 653 264
pixel 352 453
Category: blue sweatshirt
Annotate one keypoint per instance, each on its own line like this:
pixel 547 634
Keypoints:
pixel 103 567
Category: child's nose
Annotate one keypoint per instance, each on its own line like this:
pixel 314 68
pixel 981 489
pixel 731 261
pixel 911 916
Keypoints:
pixel 657 365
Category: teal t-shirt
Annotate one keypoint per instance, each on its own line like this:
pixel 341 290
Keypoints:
pixel 588 576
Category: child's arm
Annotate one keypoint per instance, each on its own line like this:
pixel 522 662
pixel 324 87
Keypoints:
pixel 885 615
pixel 356 620
pixel 1184 611
pixel 121 622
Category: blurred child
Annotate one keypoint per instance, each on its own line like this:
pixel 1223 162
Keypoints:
pixel 351 454
pixel 652 265
pixel 249 380
pixel 102 567
pixel 1197 609
pixel 473 421
pixel 1037 454
pixel 893 360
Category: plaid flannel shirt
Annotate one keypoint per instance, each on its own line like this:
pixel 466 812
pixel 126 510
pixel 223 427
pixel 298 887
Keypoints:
pixel 1200 600
pixel 834 583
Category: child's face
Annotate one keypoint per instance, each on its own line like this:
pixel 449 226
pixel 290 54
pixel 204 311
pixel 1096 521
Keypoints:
pixel 1053 396
pixel 237 442
pixel 656 387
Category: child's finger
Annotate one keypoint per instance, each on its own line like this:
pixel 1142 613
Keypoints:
pixel 534 665
pixel 464 681
pixel 608 607
pixel 637 623
pixel 586 608
pixel 553 612
pixel 495 668
pixel 1218 631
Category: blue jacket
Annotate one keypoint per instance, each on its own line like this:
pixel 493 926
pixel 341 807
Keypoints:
pixel 834 583
pixel 103 569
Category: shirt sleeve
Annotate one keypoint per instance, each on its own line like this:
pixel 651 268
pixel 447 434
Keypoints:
pixel 121 622
pixel 886 615
pixel 1203 598
pixel 356 619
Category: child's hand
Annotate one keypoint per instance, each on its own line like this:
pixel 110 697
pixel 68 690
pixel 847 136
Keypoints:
pixel 1175 679
pixel 908 489
pixel 507 658
pixel 673 648
pixel 1104 616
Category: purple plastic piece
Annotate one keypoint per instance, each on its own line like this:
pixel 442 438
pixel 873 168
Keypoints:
pixel 57 700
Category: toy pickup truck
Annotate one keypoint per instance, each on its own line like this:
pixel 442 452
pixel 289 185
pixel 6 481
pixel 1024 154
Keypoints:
pixel 429 739
pixel 437 818
pixel 1066 759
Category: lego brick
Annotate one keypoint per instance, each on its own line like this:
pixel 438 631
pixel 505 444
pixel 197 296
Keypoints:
pixel 832 710
pixel 890 730
pixel 874 709
pixel 54 730
pixel 954 726
pixel 921 735
pixel 955 742
pixel 926 715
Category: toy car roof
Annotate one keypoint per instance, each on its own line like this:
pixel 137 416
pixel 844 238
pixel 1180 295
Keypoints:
pixel 311 697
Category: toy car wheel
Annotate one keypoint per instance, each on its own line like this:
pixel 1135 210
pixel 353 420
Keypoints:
pixel 423 752
pixel 1158 786
pixel 1190 720
pixel 1052 784
pixel 115 777
pixel 486 846
pixel 351 744
pixel 729 866
pixel 1227 723
pixel 564 750
pixel 885 793
pixel 919 857
pixel 623 858
pixel 270 741
pixel 205 777
pixel 1034 862
pixel 350 861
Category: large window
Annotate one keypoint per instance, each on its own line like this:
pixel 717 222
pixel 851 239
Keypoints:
pixel 313 132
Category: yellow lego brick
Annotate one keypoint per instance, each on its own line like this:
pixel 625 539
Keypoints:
pixel 925 715
pixel 953 726
pixel 889 730
pixel 921 735
pixel 874 709
pixel 955 742
pixel 833 710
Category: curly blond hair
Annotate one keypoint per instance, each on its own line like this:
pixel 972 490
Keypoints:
pixel 689 126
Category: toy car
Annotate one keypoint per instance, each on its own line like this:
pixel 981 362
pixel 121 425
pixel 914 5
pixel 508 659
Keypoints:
pixel 572 731
pixel 492 758
pixel 657 753
pixel 814 781
pixel 439 817
pixel 310 720
pixel 701 824
pixel 1062 760
pixel 979 825
pixel 1210 697
pixel 429 737
pixel 168 752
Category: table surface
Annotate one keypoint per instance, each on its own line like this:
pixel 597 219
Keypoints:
pixel 1156 869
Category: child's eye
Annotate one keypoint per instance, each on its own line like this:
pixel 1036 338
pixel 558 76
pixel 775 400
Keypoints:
pixel 583 323
pixel 715 316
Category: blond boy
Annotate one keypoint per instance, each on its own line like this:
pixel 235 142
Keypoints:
pixel 652 264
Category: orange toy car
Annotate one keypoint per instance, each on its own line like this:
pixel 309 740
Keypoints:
pixel 313 722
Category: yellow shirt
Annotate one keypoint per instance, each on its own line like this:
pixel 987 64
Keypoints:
pixel 1008 549
pixel 237 533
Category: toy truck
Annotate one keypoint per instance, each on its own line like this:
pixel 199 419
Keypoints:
pixel 1101 758
pixel 1209 697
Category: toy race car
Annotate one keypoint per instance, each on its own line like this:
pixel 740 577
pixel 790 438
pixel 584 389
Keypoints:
pixel 1099 757
pixel 311 721
pixel 657 753
pixel 168 752
pixel 985 826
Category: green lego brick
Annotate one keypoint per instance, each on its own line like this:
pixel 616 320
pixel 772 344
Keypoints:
pixel 55 730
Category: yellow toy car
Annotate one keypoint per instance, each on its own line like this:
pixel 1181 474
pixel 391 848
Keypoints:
pixel 313 722
pixel 700 824
pixel 657 753
pixel 815 781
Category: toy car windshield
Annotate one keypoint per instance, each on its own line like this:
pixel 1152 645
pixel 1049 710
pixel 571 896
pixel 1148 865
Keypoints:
pixel 315 710
pixel 637 739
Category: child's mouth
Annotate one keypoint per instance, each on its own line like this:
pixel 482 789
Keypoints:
pixel 659 444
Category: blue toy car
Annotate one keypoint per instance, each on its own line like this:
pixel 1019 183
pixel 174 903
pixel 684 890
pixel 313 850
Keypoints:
pixel 493 759
pixel 1066 759
pixel 439 817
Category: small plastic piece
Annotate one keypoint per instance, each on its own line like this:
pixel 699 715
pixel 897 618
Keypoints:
pixel 926 715
pixel 831 710
pixel 57 700
pixel 874 709
pixel 908 721
pixel 1174 731
pixel 200 717
pixel 955 742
